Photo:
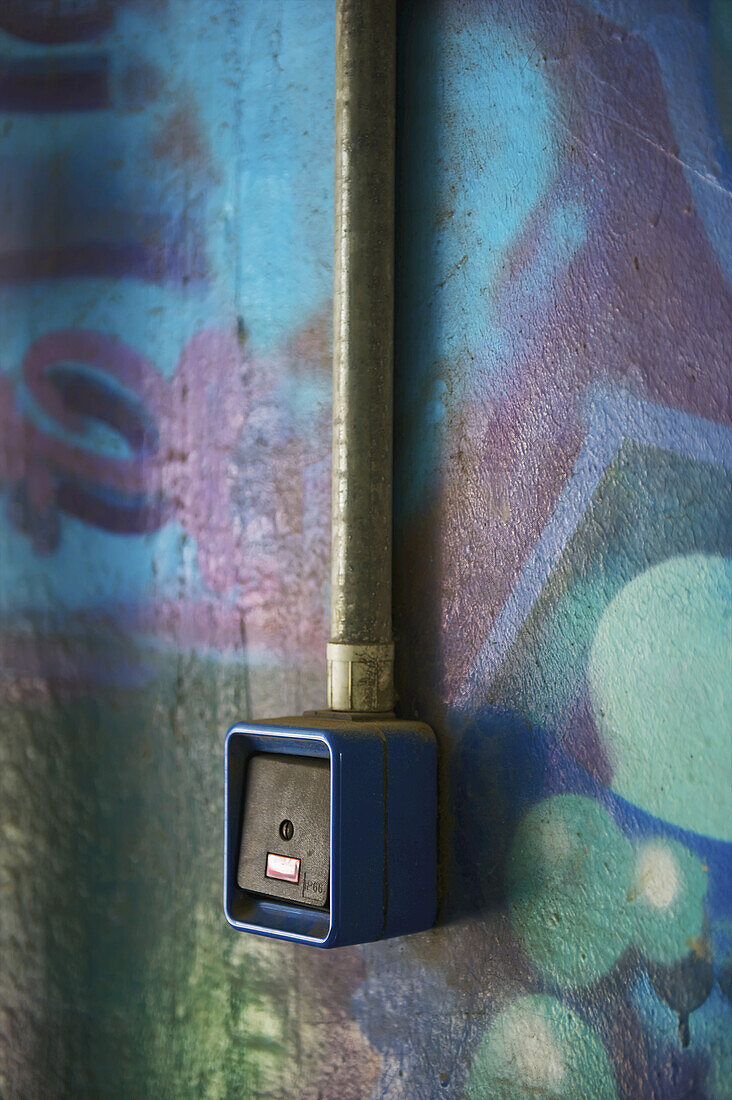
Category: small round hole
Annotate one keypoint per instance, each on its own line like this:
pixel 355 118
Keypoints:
pixel 286 829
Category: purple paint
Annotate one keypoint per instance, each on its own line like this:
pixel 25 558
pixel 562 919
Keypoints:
pixel 74 374
pixel 46 21
pixel 32 84
pixel 178 260
pixel 620 313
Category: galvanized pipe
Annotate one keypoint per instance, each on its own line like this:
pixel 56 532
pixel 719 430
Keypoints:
pixel 360 654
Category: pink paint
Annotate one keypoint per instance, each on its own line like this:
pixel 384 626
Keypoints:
pixel 177 469
pixel 256 504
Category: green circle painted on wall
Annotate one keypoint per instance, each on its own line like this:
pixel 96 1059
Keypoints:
pixel 538 1047
pixel 660 679
pixel 567 880
pixel 580 892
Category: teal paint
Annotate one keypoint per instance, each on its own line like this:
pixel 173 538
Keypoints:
pixel 580 893
pixel 659 683
pixel 450 273
pixel 537 1047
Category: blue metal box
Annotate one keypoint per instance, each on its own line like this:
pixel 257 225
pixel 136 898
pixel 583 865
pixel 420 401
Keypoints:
pixel 383 829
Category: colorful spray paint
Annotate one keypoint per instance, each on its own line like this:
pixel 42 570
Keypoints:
pixel 563 542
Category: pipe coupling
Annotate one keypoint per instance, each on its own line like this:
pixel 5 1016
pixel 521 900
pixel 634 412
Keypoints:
pixel 360 677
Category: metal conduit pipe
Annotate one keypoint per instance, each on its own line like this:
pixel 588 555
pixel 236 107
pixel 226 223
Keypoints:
pixel 360 653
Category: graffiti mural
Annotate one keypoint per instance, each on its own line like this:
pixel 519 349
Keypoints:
pixel 565 569
pixel 165 283
pixel 564 542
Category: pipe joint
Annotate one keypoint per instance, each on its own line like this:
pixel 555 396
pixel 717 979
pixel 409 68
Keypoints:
pixel 360 677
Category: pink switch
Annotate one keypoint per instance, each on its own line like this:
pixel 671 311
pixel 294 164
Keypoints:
pixel 282 867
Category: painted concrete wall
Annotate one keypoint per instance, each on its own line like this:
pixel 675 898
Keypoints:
pixel 563 541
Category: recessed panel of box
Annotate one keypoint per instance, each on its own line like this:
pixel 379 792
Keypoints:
pixel 285 839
